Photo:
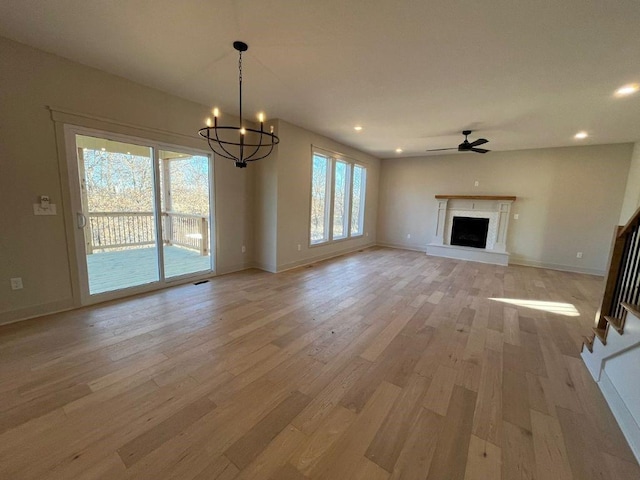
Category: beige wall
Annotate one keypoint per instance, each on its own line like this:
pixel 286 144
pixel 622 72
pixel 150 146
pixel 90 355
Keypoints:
pixel 36 248
pixel 569 200
pixel 294 197
pixel 264 175
pixel 632 193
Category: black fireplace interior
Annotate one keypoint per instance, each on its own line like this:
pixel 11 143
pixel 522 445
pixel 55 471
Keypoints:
pixel 470 232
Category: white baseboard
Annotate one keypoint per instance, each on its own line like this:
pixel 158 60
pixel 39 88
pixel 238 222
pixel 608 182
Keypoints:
pixel 628 425
pixel 238 267
pixel 403 246
pixel 267 267
pixel 12 316
pixel 513 260
pixel 616 364
pixel 319 258
pixel 516 260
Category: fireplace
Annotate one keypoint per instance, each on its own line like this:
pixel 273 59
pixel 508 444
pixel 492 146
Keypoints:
pixel 472 227
pixel 469 232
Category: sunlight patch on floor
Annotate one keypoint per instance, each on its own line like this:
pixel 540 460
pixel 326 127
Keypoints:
pixel 560 308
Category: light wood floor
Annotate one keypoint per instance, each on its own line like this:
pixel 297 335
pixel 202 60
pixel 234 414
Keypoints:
pixel 384 364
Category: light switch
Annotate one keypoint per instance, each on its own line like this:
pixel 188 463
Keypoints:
pixel 516 216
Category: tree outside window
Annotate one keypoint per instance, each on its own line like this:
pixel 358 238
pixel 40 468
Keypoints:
pixel 338 190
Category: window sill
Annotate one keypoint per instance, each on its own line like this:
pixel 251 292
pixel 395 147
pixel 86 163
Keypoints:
pixel 337 240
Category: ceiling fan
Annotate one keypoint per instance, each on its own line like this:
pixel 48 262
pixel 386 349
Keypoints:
pixel 466 146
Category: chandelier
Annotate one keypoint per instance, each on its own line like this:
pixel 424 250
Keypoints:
pixel 240 144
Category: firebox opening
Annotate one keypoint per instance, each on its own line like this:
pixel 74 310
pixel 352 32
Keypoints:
pixel 470 232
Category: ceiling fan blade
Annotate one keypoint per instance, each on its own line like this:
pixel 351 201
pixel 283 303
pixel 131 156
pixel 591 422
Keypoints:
pixel 439 149
pixel 479 150
pixel 478 142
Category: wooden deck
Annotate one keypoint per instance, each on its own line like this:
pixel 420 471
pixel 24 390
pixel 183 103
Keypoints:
pixel 381 365
pixel 114 270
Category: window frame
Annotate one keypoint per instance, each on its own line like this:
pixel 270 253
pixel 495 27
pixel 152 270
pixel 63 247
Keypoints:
pixel 330 197
pixel 346 218
pixel 328 207
pixel 362 201
pixel 69 133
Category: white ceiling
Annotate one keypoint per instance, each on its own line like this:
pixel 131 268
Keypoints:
pixel 413 73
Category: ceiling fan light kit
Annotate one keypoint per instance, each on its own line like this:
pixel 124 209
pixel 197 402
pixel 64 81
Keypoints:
pixel 240 144
pixel 466 146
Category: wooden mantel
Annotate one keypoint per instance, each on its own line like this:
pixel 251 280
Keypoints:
pixel 476 197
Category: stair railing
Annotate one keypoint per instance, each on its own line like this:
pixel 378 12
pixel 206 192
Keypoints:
pixel 623 277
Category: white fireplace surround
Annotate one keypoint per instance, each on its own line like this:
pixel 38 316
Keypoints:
pixel 494 207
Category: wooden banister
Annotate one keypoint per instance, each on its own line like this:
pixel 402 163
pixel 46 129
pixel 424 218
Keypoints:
pixel 615 260
pixel 633 222
pixel 622 285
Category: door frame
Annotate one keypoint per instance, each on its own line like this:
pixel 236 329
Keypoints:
pixel 70 132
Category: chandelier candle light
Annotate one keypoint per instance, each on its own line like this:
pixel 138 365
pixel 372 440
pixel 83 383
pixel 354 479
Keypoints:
pixel 240 144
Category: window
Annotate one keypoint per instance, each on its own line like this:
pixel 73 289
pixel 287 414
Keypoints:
pixel 340 200
pixel 338 189
pixel 320 187
pixel 357 199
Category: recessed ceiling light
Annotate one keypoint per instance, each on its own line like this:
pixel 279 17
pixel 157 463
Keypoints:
pixel 627 90
pixel 103 149
pixel 581 135
pixel 357 128
pixel 398 150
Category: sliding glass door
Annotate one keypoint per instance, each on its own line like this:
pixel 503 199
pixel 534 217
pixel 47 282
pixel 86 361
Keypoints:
pixel 143 212
pixel 185 213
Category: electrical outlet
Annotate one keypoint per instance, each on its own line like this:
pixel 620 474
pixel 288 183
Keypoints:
pixel 579 255
pixel 476 183
pixel 49 210
pixel 408 235
pixel 16 283
pixel 244 249
pixel 299 247
pixel 366 234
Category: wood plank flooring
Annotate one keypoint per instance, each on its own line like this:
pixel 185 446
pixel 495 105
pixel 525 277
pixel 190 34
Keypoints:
pixel 383 364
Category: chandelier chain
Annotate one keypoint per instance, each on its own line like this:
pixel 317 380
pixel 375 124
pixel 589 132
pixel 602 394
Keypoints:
pixel 240 86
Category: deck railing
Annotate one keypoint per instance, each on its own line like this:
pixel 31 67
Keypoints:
pixel 188 231
pixel 623 278
pixel 121 229
pixel 109 230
